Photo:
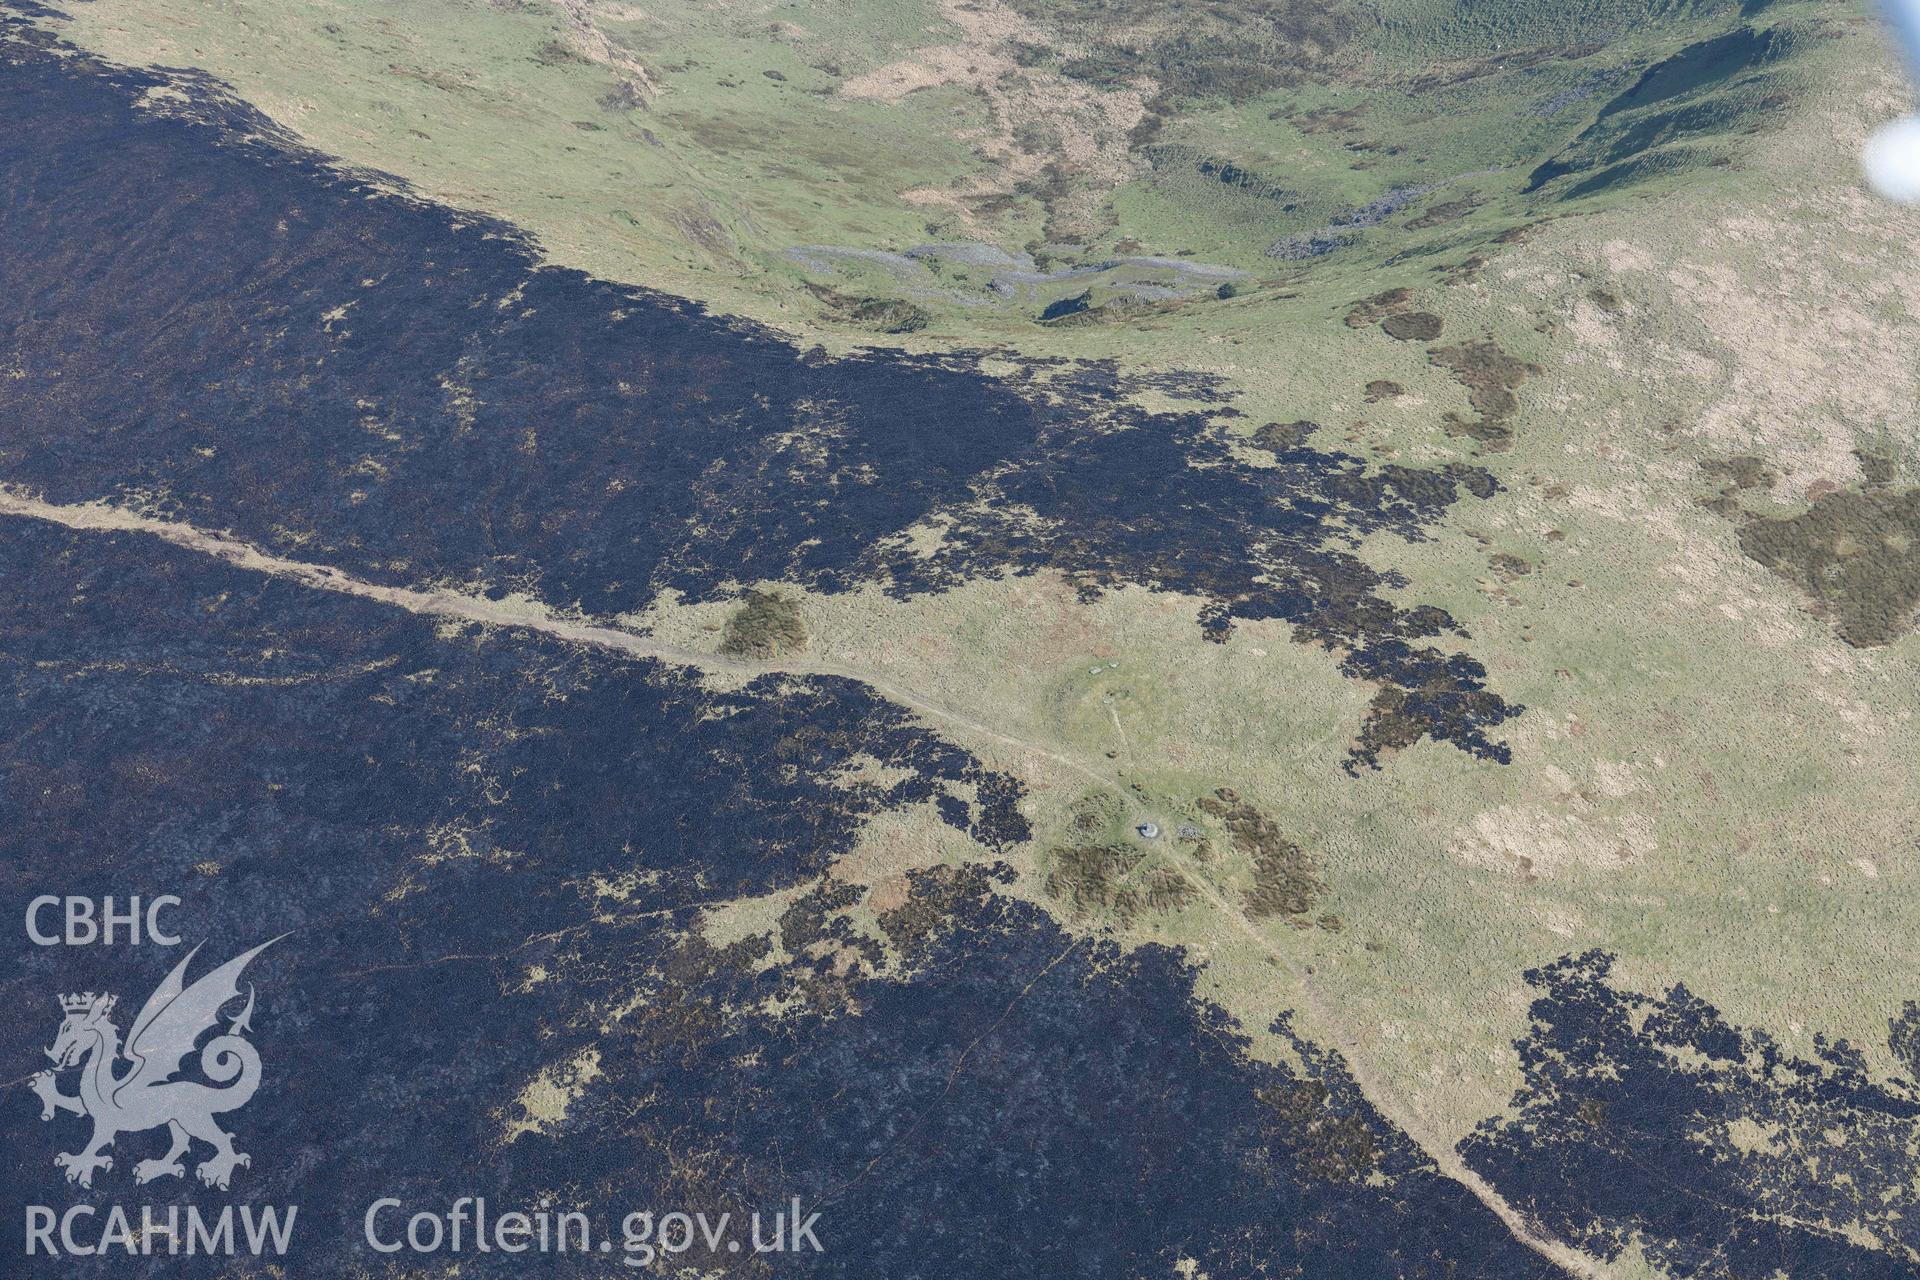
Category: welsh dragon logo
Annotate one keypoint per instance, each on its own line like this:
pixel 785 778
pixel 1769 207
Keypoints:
pixel 144 1095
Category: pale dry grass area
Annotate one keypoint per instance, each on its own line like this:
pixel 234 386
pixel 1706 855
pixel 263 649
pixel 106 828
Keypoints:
pixel 1084 128
pixel 548 1096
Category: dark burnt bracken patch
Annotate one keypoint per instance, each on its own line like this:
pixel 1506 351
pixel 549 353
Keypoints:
pixel 1856 556
pixel 1649 1120
pixel 1091 878
pixel 233 334
pixel 1446 211
pixel 1286 878
pixel 1108 879
pixel 766 625
pixel 1379 307
pixel 1491 378
pixel 935 897
pixel 1336 1146
pixel 1412 326
pixel 827 956
pixel 883 315
pixel 1733 477
pixel 1853 553
pixel 1281 438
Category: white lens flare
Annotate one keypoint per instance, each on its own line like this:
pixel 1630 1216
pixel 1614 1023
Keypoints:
pixel 1892 160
